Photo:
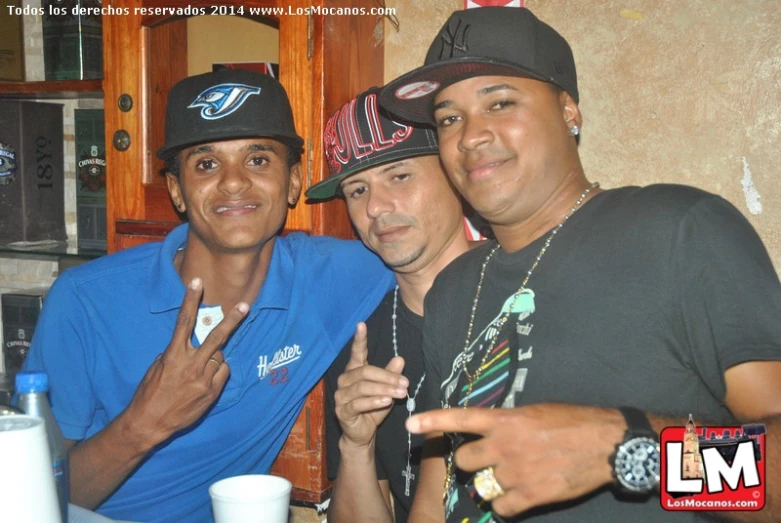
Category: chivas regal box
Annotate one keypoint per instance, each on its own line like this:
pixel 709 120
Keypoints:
pixel 72 39
pixel 11 43
pixel 20 314
pixel 90 178
pixel 31 172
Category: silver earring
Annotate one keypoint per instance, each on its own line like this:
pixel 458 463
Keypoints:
pixel 574 131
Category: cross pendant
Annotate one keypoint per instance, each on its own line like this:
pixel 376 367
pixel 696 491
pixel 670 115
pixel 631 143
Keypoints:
pixel 408 477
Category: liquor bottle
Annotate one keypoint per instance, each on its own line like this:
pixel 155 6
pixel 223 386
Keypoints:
pixel 90 178
pixel 31 393
pixel 72 39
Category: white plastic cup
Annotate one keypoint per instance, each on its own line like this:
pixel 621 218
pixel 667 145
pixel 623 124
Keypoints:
pixel 253 498
pixel 27 486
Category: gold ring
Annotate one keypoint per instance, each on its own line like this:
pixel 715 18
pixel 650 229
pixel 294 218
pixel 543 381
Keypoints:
pixel 215 361
pixel 486 484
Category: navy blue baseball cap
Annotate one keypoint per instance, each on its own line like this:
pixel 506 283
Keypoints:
pixel 485 41
pixel 361 135
pixel 227 104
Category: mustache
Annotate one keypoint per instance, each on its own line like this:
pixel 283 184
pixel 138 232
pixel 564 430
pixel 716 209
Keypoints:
pixel 388 221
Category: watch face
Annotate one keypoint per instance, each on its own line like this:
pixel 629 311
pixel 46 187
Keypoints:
pixel 637 464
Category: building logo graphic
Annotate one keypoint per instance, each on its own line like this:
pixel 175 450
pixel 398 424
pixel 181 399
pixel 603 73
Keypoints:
pixel 713 468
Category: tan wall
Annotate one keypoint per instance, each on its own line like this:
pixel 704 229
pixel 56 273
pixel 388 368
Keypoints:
pixel 676 92
pixel 214 39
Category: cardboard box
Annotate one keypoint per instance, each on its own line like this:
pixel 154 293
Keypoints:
pixel 20 314
pixel 90 178
pixel 32 206
pixel 72 43
pixel 11 44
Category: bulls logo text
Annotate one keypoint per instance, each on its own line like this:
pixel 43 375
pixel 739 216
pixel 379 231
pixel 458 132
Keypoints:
pixel 344 142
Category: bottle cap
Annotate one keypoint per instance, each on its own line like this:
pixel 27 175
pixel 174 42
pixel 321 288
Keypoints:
pixel 27 382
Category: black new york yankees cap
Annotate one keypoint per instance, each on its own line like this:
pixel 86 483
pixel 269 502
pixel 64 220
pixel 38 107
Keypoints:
pixel 227 104
pixel 361 135
pixel 485 41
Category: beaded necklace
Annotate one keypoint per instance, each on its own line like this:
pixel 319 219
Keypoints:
pixel 407 472
pixel 502 321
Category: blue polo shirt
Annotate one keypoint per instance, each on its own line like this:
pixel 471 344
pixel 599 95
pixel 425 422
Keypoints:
pixel 103 323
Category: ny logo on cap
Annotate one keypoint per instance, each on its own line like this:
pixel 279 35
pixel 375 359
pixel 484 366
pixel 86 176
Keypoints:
pixel 221 100
pixel 455 39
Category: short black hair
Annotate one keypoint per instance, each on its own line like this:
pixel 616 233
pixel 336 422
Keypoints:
pixel 173 166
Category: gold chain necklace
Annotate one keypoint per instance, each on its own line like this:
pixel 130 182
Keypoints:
pixel 473 379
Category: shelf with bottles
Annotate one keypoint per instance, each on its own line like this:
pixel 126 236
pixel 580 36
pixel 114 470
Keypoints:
pixel 52 251
pixel 50 50
pixel 31 235
pixel 66 89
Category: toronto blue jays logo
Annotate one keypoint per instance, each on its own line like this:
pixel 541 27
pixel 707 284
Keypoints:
pixel 221 100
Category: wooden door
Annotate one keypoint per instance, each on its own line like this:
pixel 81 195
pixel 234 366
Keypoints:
pixel 324 60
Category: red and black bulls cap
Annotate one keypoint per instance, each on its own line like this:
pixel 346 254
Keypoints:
pixel 360 135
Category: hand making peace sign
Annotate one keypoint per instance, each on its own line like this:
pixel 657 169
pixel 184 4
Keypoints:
pixel 184 381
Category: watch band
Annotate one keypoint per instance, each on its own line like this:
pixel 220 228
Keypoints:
pixel 638 428
pixel 637 423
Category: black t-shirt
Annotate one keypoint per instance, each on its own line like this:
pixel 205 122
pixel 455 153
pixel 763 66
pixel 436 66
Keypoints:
pixel 644 298
pixel 393 441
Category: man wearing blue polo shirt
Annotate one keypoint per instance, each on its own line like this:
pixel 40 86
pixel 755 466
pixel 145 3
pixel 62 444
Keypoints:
pixel 176 364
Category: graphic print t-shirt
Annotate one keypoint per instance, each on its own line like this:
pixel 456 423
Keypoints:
pixel 644 298
pixel 495 375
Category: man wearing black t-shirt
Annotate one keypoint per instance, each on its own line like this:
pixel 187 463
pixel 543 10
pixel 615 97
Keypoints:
pixel 405 210
pixel 597 318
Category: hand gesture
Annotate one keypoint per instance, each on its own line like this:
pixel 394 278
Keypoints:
pixel 540 454
pixel 183 382
pixel 365 393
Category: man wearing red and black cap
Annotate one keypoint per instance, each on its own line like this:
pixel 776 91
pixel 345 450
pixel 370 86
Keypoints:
pixel 404 209
pixel 176 364
pixel 598 317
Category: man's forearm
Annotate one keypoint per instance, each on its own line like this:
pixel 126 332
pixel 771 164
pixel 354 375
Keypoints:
pixel 357 495
pixel 101 463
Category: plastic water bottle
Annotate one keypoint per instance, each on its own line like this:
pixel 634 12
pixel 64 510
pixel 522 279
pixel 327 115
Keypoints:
pixel 31 397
